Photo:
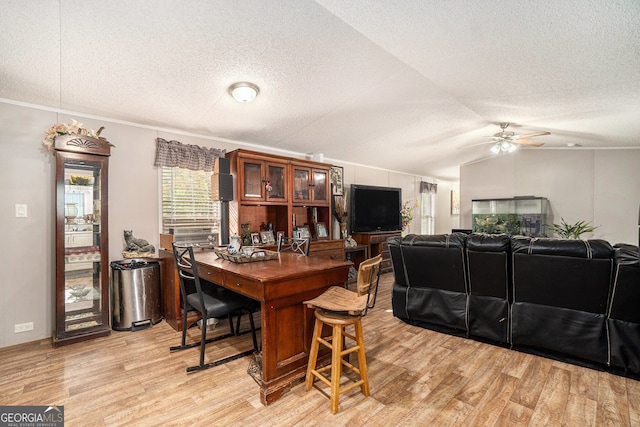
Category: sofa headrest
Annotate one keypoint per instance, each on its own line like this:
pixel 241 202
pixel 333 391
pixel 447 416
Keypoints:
pixel 488 242
pixel 394 241
pixel 453 240
pixel 594 248
pixel 626 254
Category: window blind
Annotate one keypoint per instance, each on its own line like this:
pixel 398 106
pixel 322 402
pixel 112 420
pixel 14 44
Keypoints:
pixel 186 200
pixel 427 214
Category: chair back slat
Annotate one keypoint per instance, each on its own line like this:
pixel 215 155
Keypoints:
pixel 368 279
pixel 187 271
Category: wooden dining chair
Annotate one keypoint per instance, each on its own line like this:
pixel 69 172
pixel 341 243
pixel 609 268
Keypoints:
pixel 339 308
pixel 217 304
pixel 293 244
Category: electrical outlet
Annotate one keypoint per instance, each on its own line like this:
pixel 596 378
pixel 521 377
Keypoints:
pixel 22 327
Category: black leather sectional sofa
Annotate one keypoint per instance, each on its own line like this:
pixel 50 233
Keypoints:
pixel 573 300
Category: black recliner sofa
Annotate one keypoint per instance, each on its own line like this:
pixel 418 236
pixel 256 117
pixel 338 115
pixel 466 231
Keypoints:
pixel 623 314
pixel 572 300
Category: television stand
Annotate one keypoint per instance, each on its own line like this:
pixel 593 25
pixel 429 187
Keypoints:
pixel 377 243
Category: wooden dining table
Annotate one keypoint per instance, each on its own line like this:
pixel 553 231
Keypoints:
pixel 281 285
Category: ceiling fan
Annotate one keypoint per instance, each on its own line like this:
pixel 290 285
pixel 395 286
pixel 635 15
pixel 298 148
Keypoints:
pixel 507 141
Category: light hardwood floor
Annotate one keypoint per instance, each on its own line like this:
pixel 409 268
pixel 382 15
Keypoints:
pixel 418 377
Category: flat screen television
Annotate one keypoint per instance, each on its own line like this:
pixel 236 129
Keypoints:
pixel 375 208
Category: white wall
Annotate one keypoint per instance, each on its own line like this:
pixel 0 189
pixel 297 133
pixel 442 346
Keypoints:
pixel 445 221
pixel 27 267
pixel 597 186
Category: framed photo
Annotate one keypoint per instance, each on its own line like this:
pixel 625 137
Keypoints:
pixel 303 231
pixel 267 237
pixel 321 230
pixel 455 202
pixel 279 234
pixel 337 187
pixel 255 239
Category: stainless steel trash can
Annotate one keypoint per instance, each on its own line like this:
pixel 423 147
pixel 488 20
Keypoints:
pixel 135 294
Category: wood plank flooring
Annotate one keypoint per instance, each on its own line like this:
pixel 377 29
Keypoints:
pixel 417 377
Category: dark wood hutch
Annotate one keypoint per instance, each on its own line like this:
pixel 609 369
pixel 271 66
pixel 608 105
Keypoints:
pixel 283 191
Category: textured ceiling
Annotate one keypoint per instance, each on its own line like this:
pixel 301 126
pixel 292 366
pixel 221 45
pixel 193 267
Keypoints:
pixel 410 85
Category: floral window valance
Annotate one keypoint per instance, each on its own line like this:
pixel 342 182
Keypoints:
pixel 174 153
pixel 428 187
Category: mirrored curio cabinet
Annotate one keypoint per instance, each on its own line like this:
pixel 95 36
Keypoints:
pixel 82 252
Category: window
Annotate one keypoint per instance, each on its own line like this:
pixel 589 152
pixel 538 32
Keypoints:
pixel 427 213
pixel 186 200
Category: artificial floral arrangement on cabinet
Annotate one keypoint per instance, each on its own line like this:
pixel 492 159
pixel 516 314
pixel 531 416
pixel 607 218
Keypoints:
pixel 67 129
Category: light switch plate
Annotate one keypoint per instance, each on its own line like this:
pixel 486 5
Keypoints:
pixel 21 211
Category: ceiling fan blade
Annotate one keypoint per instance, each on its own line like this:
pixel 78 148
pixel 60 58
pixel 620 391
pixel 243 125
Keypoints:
pixel 528 142
pixel 531 135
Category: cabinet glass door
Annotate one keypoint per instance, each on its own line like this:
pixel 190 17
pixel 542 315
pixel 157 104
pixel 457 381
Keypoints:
pixel 83 285
pixel 320 186
pixel 301 179
pixel 276 182
pixel 252 180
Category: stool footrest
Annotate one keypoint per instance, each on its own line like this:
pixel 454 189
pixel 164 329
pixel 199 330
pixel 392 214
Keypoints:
pixel 350 386
pixel 321 377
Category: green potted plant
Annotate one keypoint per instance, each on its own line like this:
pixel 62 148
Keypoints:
pixel 571 231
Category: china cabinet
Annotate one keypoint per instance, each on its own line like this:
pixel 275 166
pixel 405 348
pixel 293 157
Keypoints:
pixel 82 255
pixel 284 192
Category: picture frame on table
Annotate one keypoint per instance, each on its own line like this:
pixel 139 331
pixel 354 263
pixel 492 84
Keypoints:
pixel 255 239
pixel 279 234
pixel 321 231
pixel 267 237
pixel 303 231
pixel 336 174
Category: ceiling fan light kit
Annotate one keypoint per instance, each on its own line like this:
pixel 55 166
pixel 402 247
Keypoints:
pixel 508 142
pixel 503 147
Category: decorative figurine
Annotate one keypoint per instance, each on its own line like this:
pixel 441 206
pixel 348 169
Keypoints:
pixel 135 247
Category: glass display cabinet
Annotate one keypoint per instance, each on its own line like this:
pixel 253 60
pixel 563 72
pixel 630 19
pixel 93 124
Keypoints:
pixel 310 185
pixel 263 180
pixel 525 216
pixel 82 253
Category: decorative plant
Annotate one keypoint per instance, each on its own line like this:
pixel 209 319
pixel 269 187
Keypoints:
pixel 407 212
pixel 65 129
pixel 341 215
pixel 497 224
pixel 339 212
pixel 571 231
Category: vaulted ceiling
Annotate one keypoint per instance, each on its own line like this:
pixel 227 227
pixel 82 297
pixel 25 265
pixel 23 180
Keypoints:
pixel 407 85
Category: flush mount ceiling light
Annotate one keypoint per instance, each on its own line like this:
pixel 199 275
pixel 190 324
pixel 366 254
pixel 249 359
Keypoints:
pixel 244 92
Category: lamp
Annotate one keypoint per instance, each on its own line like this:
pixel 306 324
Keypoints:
pixel 244 92
pixel 504 146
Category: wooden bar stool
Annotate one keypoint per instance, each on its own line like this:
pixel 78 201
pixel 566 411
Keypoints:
pixel 339 308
